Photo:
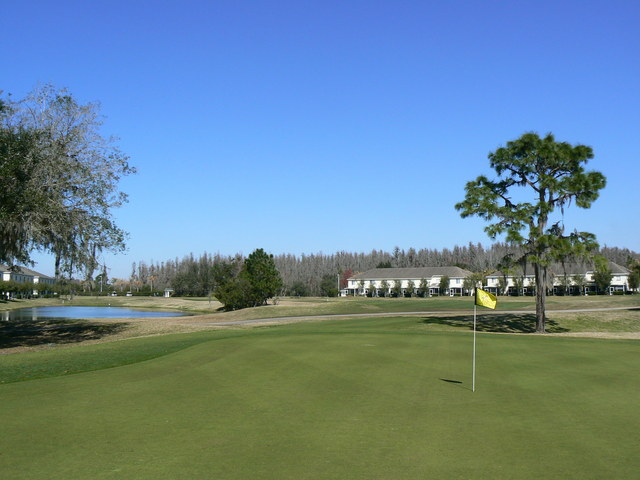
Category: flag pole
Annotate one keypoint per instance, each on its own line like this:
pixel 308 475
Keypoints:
pixel 473 375
pixel 484 299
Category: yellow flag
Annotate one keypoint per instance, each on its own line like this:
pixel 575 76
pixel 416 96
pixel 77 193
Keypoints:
pixel 485 299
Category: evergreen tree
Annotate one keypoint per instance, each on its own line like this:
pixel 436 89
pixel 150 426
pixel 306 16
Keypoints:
pixel 329 286
pixel 423 287
pixel 411 286
pixel 372 289
pixel 443 286
pixel 263 275
pixel 602 277
pixel 554 174
pixel 384 288
pixel 257 281
pixel 396 290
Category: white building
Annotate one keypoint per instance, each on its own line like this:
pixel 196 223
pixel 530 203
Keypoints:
pixel 570 278
pixel 24 275
pixel 380 279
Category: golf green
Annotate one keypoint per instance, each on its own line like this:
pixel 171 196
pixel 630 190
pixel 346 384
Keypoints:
pixel 365 399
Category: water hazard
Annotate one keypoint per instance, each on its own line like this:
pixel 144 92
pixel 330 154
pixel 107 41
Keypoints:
pixel 77 313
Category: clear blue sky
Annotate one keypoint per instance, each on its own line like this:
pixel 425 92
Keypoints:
pixel 300 127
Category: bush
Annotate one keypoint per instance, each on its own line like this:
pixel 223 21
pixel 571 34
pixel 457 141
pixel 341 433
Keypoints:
pixel 298 289
pixel 237 293
pixel 249 285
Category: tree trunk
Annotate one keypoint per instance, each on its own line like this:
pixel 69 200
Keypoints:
pixel 57 266
pixel 541 295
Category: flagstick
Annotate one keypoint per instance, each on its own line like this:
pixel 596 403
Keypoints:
pixel 473 376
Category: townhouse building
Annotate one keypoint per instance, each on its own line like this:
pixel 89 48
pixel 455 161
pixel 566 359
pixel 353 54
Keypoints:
pixel 24 275
pixel 562 279
pixel 373 281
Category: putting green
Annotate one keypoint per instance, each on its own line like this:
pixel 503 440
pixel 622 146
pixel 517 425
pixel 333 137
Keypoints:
pixel 337 400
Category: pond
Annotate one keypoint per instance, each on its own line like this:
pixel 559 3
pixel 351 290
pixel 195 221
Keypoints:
pixel 71 313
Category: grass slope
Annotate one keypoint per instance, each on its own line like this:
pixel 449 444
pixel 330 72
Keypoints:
pixel 380 398
pixel 66 361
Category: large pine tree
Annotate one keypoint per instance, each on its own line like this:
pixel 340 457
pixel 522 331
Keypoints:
pixel 546 175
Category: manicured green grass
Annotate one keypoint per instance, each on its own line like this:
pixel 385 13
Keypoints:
pixel 609 322
pixel 58 360
pixel 379 398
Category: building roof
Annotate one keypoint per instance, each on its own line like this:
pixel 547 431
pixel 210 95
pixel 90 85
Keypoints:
pixel 411 273
pixel 569 268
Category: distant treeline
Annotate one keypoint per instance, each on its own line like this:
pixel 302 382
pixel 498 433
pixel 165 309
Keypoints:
pixel 318 274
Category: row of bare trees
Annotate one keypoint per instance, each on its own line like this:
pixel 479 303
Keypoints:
pixel 316 274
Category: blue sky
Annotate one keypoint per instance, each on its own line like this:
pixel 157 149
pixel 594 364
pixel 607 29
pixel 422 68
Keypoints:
pixel 308 126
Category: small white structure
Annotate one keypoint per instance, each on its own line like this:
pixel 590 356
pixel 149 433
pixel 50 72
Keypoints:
pixel 168 292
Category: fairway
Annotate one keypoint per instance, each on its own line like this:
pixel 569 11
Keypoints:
pixel 382 398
